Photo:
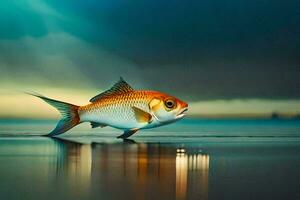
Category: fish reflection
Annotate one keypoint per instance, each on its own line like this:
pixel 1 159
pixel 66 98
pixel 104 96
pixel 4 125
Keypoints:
pixel 134 170
pixel 74 165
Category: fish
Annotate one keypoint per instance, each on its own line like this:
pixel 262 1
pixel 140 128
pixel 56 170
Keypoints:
pixel 120 107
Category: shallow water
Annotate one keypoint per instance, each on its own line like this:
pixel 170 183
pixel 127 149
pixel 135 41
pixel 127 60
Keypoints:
pixel 193 159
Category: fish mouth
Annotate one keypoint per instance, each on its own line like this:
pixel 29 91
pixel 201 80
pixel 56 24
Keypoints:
pixel 182 113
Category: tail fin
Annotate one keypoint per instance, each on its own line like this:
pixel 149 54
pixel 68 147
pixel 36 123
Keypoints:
pixel 69 113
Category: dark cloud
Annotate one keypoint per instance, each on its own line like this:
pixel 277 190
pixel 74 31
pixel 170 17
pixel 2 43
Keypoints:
pixel 199 49
pixel 150 31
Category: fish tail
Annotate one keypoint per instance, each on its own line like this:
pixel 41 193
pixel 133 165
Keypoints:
pixel 69 113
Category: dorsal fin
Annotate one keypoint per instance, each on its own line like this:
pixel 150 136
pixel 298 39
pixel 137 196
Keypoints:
pixel 118 88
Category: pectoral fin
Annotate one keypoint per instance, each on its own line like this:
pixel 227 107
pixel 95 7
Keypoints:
pixel 95 125
pixel 128 133
pixel 141 115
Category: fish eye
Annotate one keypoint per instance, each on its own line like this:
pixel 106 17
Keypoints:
pixel 170 103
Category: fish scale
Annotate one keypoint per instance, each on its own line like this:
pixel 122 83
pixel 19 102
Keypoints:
pixel 115 109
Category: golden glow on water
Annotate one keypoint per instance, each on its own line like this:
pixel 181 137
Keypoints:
pixel 198 162
pixel 142 159
pixel 181 175
pixel 172 173
pixel 198 167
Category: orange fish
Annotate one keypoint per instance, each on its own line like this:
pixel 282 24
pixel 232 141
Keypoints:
pixel 120 107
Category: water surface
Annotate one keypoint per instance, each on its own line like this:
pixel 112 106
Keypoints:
pixel 194 159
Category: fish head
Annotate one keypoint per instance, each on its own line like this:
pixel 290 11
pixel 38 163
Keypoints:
pixel 166 108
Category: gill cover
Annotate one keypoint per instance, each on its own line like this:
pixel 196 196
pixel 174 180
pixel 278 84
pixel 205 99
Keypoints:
pixel 160 110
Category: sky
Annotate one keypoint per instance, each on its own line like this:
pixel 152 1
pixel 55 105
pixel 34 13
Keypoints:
pixel 222 57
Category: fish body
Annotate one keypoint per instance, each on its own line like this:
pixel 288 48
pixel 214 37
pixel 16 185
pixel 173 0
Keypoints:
pixel 121 107
pixel 117 110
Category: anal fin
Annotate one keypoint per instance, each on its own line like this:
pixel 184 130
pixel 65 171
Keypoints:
pixel 128 133
pixel 96 125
